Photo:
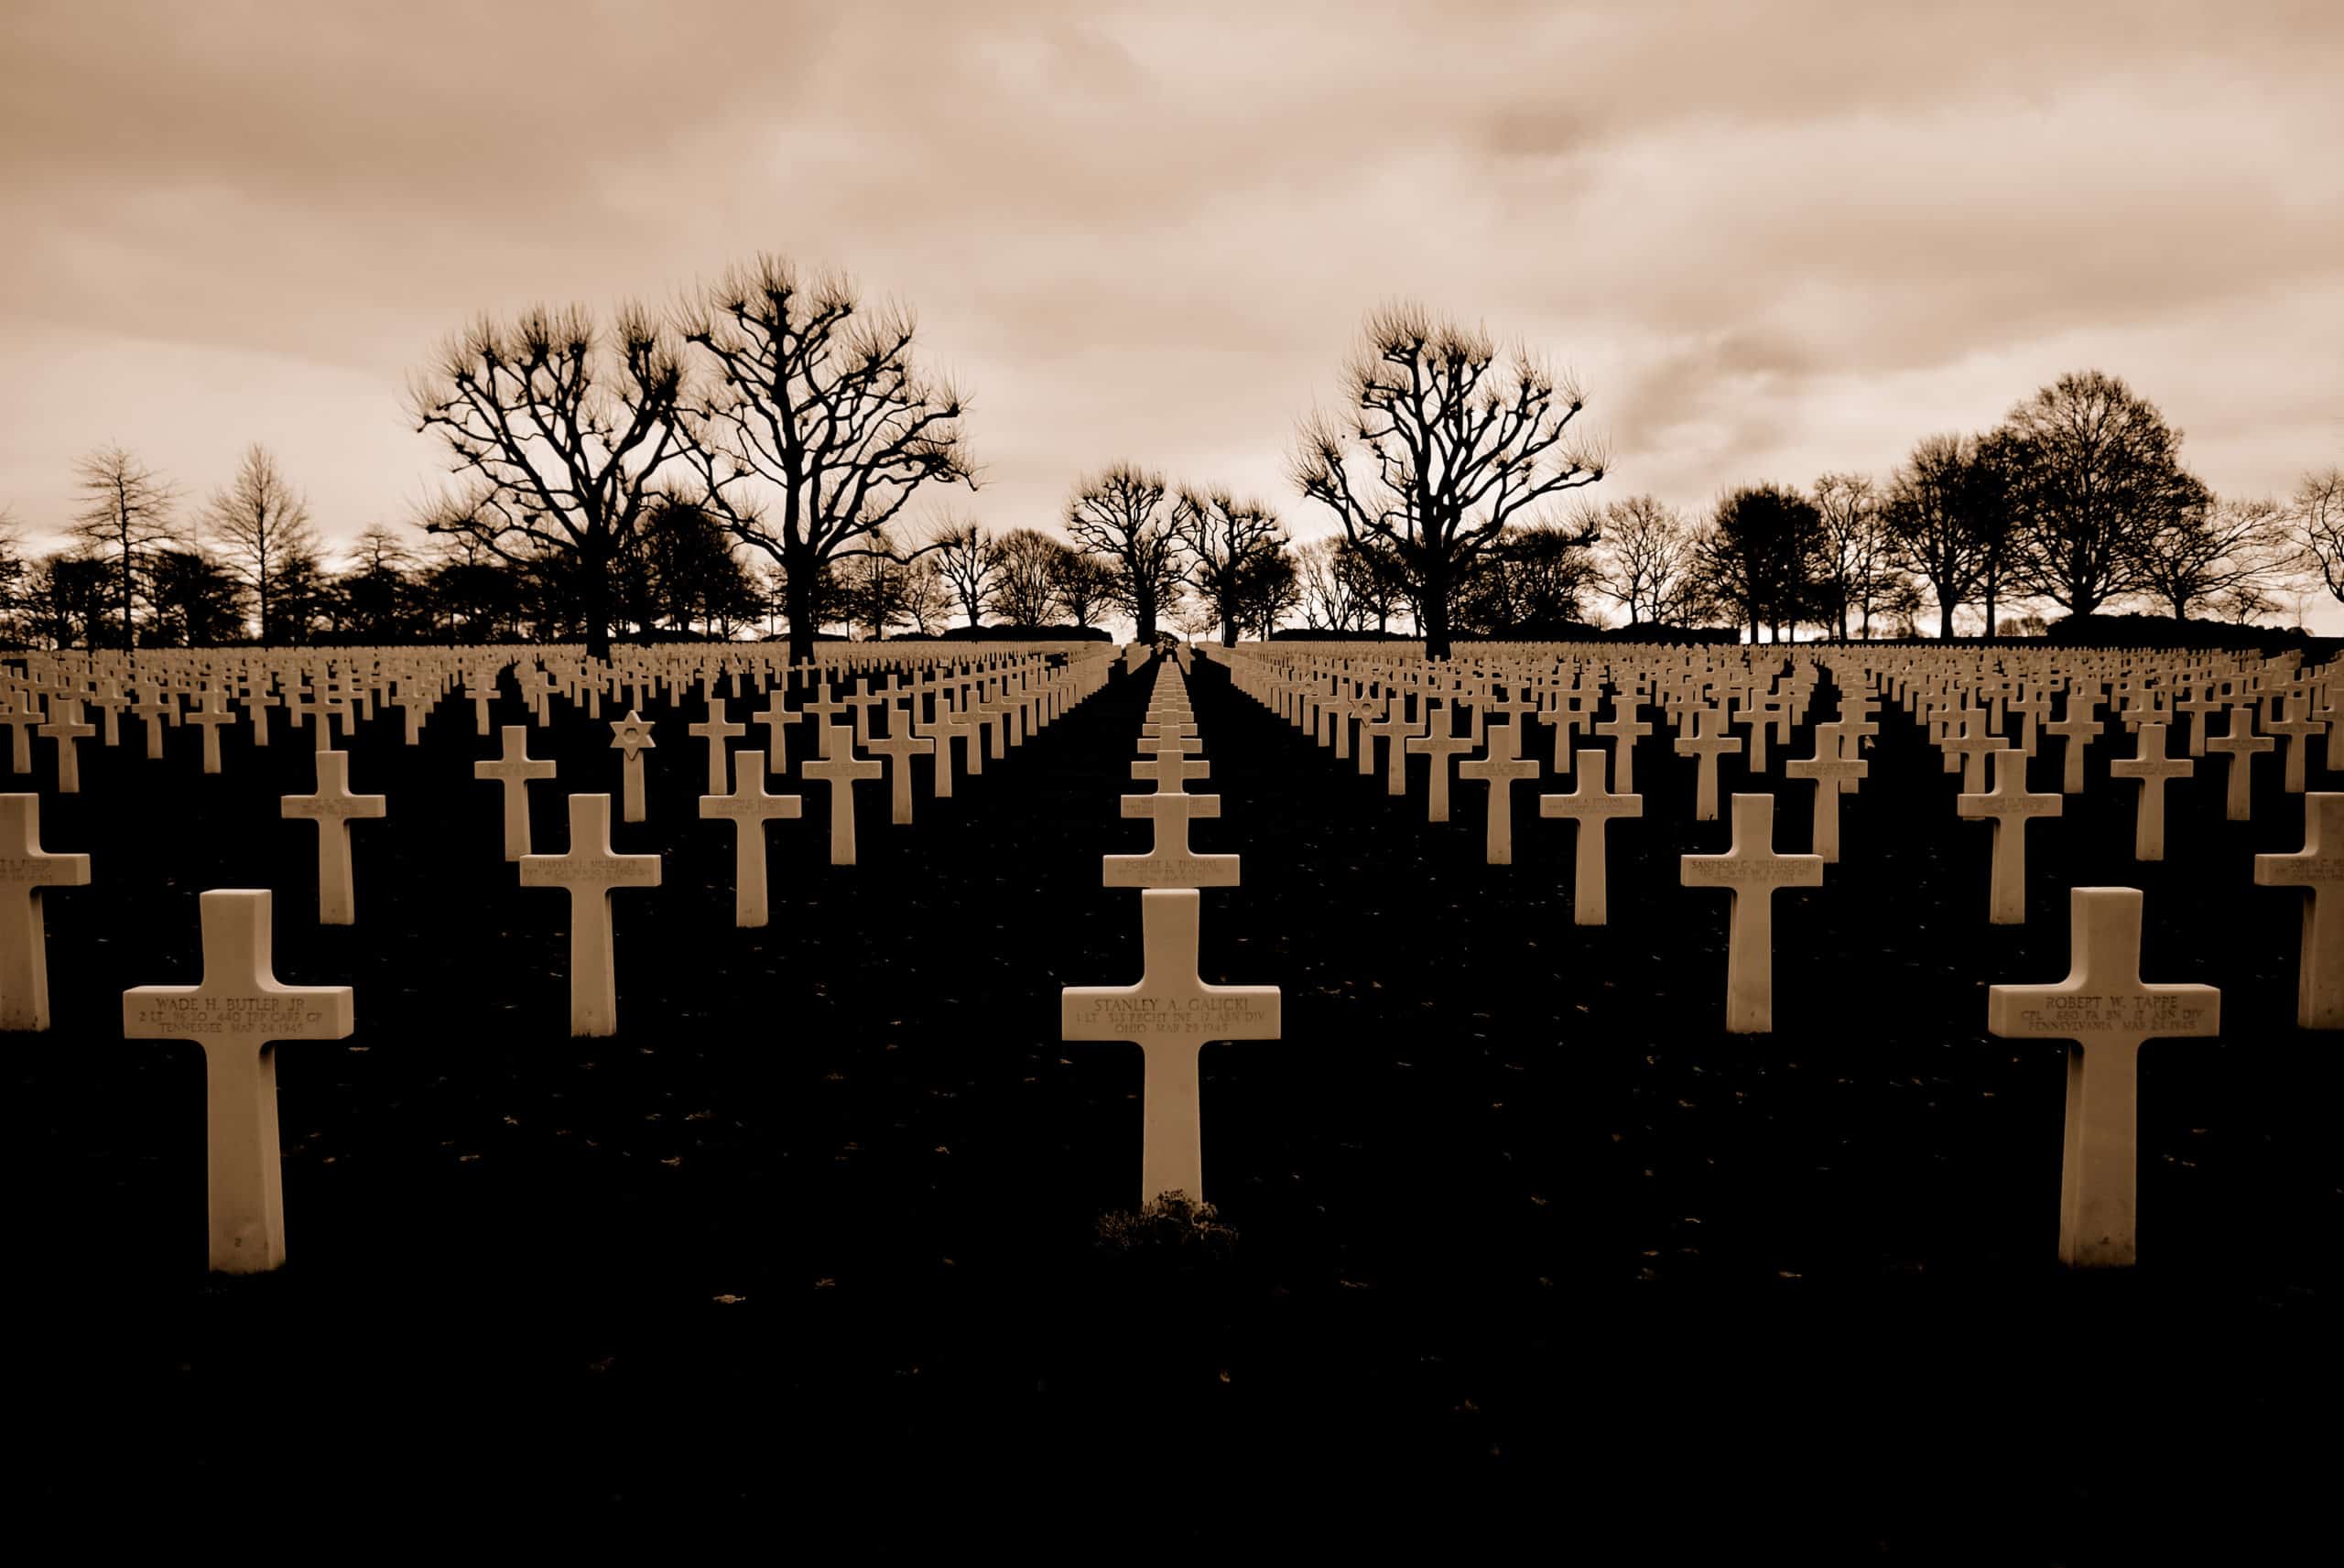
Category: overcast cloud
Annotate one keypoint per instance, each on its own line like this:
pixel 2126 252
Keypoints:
pixel 1772 240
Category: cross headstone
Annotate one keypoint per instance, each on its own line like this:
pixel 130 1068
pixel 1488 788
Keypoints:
pixel 65 727
pixel 1170 1014
pixel 2152 768
pixel 2318 869
pixel 332 807
pixel 1501 770
pixel 1834 768
pixel 513 770
pixel 2010 807
pixel 716 729
pixel 25 869
pixel 2241 745
pixel 1708 747
pixel 1169 862
pixel 1592 806
pixel 209 718
pixel 1750 871
pixel 749 807
pixel 842 772
pixel 238 1014
pixel 899 748
pixel 2106 1010
pixel 590 871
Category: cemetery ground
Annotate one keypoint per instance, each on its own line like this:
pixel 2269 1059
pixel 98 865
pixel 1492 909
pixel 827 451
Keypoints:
pixel 1524 1237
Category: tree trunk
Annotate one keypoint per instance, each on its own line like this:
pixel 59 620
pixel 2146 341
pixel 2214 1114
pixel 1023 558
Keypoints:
pixel 1945 620
pixel 1229 632
pixel 797 604
pixel 1144 615
pixel 1433 617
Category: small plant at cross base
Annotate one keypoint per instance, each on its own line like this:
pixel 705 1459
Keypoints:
pixel 1171 1226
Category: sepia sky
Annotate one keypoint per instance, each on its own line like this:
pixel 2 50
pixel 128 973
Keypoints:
pixel 1772 239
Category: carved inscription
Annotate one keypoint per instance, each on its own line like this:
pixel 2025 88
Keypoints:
pixel 1722 872
pixel 2070 1015
pixel 1170 871
pixel 1171 1019
pixel 574 870
pixel 232 1017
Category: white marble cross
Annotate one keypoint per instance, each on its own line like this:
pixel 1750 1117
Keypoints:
pixel 237 1014
pixel 716 729
pixel 1170 1014
pixel 2105 1009
pixel 1836 769
pixel 899 748
pixel 210 719
pixel 65 727
pixel 2241 745
pixel 1501 770
pixel 1592 806
pixel 590 871
pixel 750 809
pixel 2010 807
pixel 841 770
pixel 2152 768
pixel 513 770
pixel 1750 871
pixel 1439 748
pixel 2318 869
pixel 1169 862
pixel 331 807
pixel 25 869
pixel 1708 747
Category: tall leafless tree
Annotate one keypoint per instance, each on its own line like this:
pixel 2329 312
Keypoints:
pixel 2230 550
pixel 968 560
pixel 2090 473
pixel 1851 545
pixel 1117 513
pixel 2315 519
pixel 1450 452
pixel 1024 590
pixel 260 526
pixel 1329 572
pixel 125 517
pixel 1926 510
pixel 819 430
pixel 561 431
pixel 1649 557
pixel 1225 539
pixel 1083 586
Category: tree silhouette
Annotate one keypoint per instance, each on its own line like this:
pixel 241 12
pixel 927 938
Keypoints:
pixel 561 432
pixel 2091 476
pixel 969 561
pixel 1224 538
pixel 1451 452
pixel 259 525
pixel 1651 564
pixel 1758 554
pixel 1023 590
pixel 126 514
pixel 2315 522
pixel 1117 513
pixel 821 407
pixel 2232 549
pixel 1926 513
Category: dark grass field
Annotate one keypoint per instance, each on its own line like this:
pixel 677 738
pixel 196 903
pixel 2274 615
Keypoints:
pixel 1526 1242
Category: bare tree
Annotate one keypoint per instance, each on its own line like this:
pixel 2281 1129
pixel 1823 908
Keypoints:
pixel 1083 584
pixel 1452 453
pixel 125 516
pixel 876 587
pixel 1650 561
pixel 1117 513
pixel 561 431
pixel 260 526
pixel 929 599
pixel 1851 545
pixel 1224 538
pixel 2315 519
pixel 2229 549
pixel 968 560
pixel 1329 571
pixel 1927 510
pixel 1023 593
pixel 2092 477
pixel 817 403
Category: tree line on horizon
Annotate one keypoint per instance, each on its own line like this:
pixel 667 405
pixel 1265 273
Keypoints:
pixel 748 461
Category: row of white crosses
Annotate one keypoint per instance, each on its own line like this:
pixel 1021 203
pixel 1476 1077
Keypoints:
pixel 2102 1008
pixel 1171 1013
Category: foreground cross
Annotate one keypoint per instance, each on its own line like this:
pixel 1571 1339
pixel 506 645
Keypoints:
pixel 2105 1009
pixel 2318 869
pixel 237 1014
pixel 513 770
pixel 2010 807
pixel 1170 1014
pixel 1593 807
pixel 331 808
pixel 589 871
pixel 1751 867
pixel 25 869
pixel 750 807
